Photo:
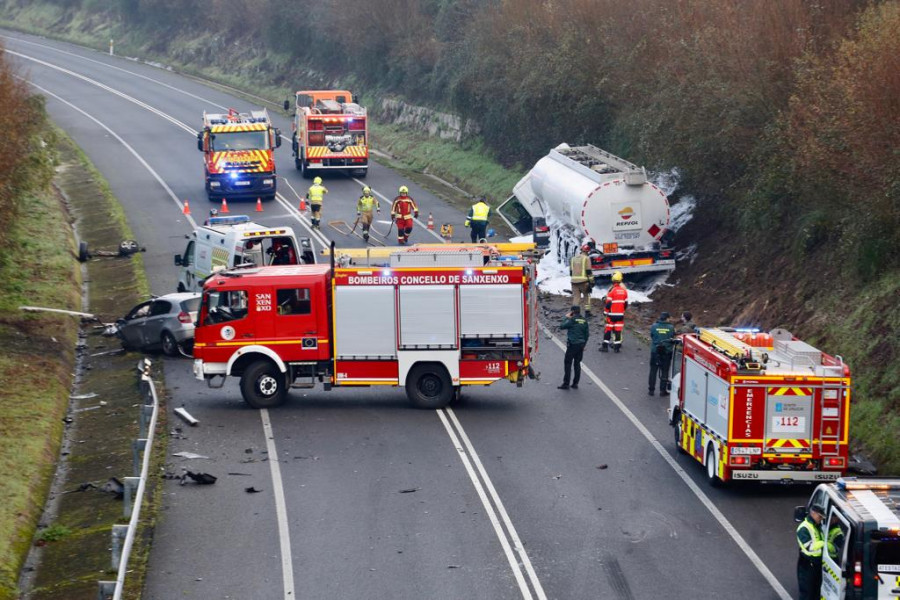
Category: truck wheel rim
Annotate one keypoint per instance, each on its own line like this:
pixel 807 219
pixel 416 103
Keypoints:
pixel 268 386
pixel 430 386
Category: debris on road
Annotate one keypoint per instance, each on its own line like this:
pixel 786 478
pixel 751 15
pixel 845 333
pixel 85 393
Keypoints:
pixel 113 486
pixel 408 491
pixel 252 490
pixel 83 396
pixel 241 474
pixel 190 455
pixel 603 466
pixel 186 416
pixel 200 478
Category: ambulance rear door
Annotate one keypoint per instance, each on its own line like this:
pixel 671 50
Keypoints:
pixel 836 533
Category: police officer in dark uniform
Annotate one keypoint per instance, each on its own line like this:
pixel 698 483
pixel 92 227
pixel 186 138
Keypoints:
pixel 809 563
pixel 576 338
pixel 662 334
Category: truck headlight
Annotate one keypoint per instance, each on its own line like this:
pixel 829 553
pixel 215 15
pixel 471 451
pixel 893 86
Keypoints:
pixel 268 182
pixel 214 184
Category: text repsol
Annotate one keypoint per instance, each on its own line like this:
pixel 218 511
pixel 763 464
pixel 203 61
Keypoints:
pixel 449 279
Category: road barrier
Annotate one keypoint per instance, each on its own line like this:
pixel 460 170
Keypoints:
pixel 142 451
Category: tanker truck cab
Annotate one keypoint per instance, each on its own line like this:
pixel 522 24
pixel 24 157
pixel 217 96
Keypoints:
pixel 861 528
pixel 235 241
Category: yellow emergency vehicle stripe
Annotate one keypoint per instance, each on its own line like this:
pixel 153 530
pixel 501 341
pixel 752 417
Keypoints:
pixel 477 381
pixel 787 443
pixel 219 257
pixel 257 342
pixel 238 127
pixel 221 159
pixel 790 391
pixel 325 152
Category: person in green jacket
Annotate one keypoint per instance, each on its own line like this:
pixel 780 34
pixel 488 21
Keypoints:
pixel 577 335
pixel 662 334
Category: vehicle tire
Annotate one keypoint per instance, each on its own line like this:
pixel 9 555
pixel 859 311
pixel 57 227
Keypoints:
pixel 361 173
pixel 429 386
pixel 181 288
pixel 711 468
pixel 298 164
pixel 169 345
pixel 263 385
pixel 83 254
pixel 677 429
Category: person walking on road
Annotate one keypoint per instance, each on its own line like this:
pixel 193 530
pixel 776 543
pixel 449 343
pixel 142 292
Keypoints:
pixel 364 207
pixel 662 334
pixel 477 219
pixel 582 279
pixel 614 306
pixel 809 563
pixel 687 323
pixel 315 195
pixel 577 334
pixel 403 211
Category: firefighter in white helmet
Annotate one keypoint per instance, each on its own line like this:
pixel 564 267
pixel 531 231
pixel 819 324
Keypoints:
pixel 614 306
pixel 364 210
pixel 315 195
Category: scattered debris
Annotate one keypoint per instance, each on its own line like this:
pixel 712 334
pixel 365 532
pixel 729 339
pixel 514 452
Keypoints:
pixel 186 416
pixel 557 477
pixel 409 491
pixel 190 455
pixel 68 420
pixel 74 313
pixel 861 465
pixel 603 466
pixel 87 408
pixel 115 487
pixel 241 474
pixel 201 478
pixel 252 490
pixel 453 567
pixel 83 396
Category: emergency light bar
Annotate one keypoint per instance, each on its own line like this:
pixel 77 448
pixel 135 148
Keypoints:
pixel 853 483
pixel 234 220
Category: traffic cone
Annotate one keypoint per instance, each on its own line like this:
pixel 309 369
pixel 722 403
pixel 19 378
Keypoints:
pixel 186 210
pixel 430 222
pixel 302 204
pixel 224 208
pixel 259 207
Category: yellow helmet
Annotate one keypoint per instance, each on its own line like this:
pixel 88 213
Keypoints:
pixel 317 181
pixel 367 190
pixel 617 277
pixel 404 189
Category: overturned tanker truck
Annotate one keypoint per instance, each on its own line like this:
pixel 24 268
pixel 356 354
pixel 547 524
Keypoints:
pixel 582 194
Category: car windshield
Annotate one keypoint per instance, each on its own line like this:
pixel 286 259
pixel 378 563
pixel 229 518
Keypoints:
pixel 239 140
pixel 191 304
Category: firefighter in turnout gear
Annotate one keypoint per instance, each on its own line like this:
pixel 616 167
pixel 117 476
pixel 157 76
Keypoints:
pixel 582 279
pixel 614 306
pixel 477 219
pixel 315 195
pixel 364 207
pixel 577 335
pixel 662 334
pixel 403 210
pixel 809 563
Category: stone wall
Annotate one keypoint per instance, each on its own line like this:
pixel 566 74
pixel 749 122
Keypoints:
pixel 435 123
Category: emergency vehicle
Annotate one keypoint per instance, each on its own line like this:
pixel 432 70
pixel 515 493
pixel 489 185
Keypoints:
pixel 861 528
pixel 330 132
pixel 432 322
pixel 238 156
pixel 233 241
pixel 760 406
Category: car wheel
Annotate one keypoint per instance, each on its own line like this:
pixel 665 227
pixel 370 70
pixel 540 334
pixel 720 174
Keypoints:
pixel 169 345
pixel 181 288
pixel 429 386
pixel 711 475
pixel 263 385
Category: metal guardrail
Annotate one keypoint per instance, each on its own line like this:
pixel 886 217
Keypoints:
pixel 142 451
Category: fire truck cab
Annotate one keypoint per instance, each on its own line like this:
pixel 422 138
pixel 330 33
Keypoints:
pixel 330 132
pixel 760 406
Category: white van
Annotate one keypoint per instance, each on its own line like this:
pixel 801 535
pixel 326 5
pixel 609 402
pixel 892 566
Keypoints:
pixel 226 242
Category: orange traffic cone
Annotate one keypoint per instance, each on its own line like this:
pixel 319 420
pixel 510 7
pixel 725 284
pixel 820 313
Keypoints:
pixel 302 204
pixel 430 222
pixel 186 210
pixel 224 208
pixel 259 205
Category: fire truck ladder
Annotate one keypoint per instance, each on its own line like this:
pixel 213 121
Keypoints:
pixel 830 424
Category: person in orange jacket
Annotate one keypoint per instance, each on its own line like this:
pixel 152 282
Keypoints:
pixel 403 210
pixel 614 309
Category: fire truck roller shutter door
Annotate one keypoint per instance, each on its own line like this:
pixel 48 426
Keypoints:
pixel 717 405
pixel 365 322
pixel 428 317
pixel 490 310
pixel 695 390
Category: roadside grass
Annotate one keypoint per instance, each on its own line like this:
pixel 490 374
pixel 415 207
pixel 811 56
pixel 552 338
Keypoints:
pixel 37 267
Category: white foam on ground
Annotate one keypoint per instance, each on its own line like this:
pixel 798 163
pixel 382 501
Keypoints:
pixel 553 278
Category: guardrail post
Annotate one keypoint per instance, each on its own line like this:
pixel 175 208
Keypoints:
pixel 118 534
pixel 130 484
pixel 137 446
pixel 105 590
pixel 144 415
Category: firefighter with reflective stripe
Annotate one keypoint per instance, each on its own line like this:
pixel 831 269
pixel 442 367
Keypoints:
pixel 403 210
pixel 477 219
pixel 315 195
pixel 661 335
pixel 582 279
pixel 577 335
pixel 364 207
pixel 809 563
pixel 614 306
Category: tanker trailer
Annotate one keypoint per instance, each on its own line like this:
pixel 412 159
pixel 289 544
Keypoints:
pixel 580 194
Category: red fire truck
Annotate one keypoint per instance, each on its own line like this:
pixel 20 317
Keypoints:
pixel 760 406
pixel 329 132
pixel 431 321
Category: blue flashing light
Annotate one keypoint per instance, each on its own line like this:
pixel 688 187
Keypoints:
pixel 386 273
pixel 233 174
pixel 232 220
pixel 469 271
pixel 747 329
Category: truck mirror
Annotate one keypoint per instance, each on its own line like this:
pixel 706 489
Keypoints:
pixel 799 513
pixel 287 105
pixel 177 260
pixel 199 142
pixel 278 138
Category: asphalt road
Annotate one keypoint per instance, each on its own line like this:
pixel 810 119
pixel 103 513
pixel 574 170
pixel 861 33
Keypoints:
pixel 512 493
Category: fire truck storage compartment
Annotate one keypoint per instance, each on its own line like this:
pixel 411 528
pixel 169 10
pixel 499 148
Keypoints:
pixel 428 317
pixel 491 321
pixel 706 397
pixel 789 414
pixel 365 322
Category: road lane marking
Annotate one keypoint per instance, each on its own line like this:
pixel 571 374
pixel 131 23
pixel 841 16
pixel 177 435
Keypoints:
pixel 284 534
pixel 489 509
pixel 700 494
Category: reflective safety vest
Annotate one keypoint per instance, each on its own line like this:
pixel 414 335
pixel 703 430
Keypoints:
pixel 316 193
pixel 480 212
pixel 581 266
pixel 616 301
pixel 809 537
pixel 365 204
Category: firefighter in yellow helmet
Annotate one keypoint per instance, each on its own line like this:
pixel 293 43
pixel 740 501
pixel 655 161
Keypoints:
pixel 364 206
pixel 582 279
pixel 403 211
pixel 315 195
pixel 614 306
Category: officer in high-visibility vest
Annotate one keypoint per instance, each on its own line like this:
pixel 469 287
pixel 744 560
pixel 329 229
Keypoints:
pixel 582 279
pixel 477 219
pixel 315 195
pixel 809 563
pixel 364 207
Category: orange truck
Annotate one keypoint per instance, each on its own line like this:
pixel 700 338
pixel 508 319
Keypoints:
pixel 238 154
pixel 330 133
pixel 760 406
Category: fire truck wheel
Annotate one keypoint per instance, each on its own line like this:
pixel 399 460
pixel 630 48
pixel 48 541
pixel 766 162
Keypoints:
pixel 711 467
pixel 263 385
pixel 169 345
pixel 429 386
pixel 678 437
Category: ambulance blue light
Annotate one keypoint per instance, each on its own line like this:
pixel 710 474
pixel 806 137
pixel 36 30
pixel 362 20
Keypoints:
pixel 386 273
pixel 469 271
pixel 747 329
